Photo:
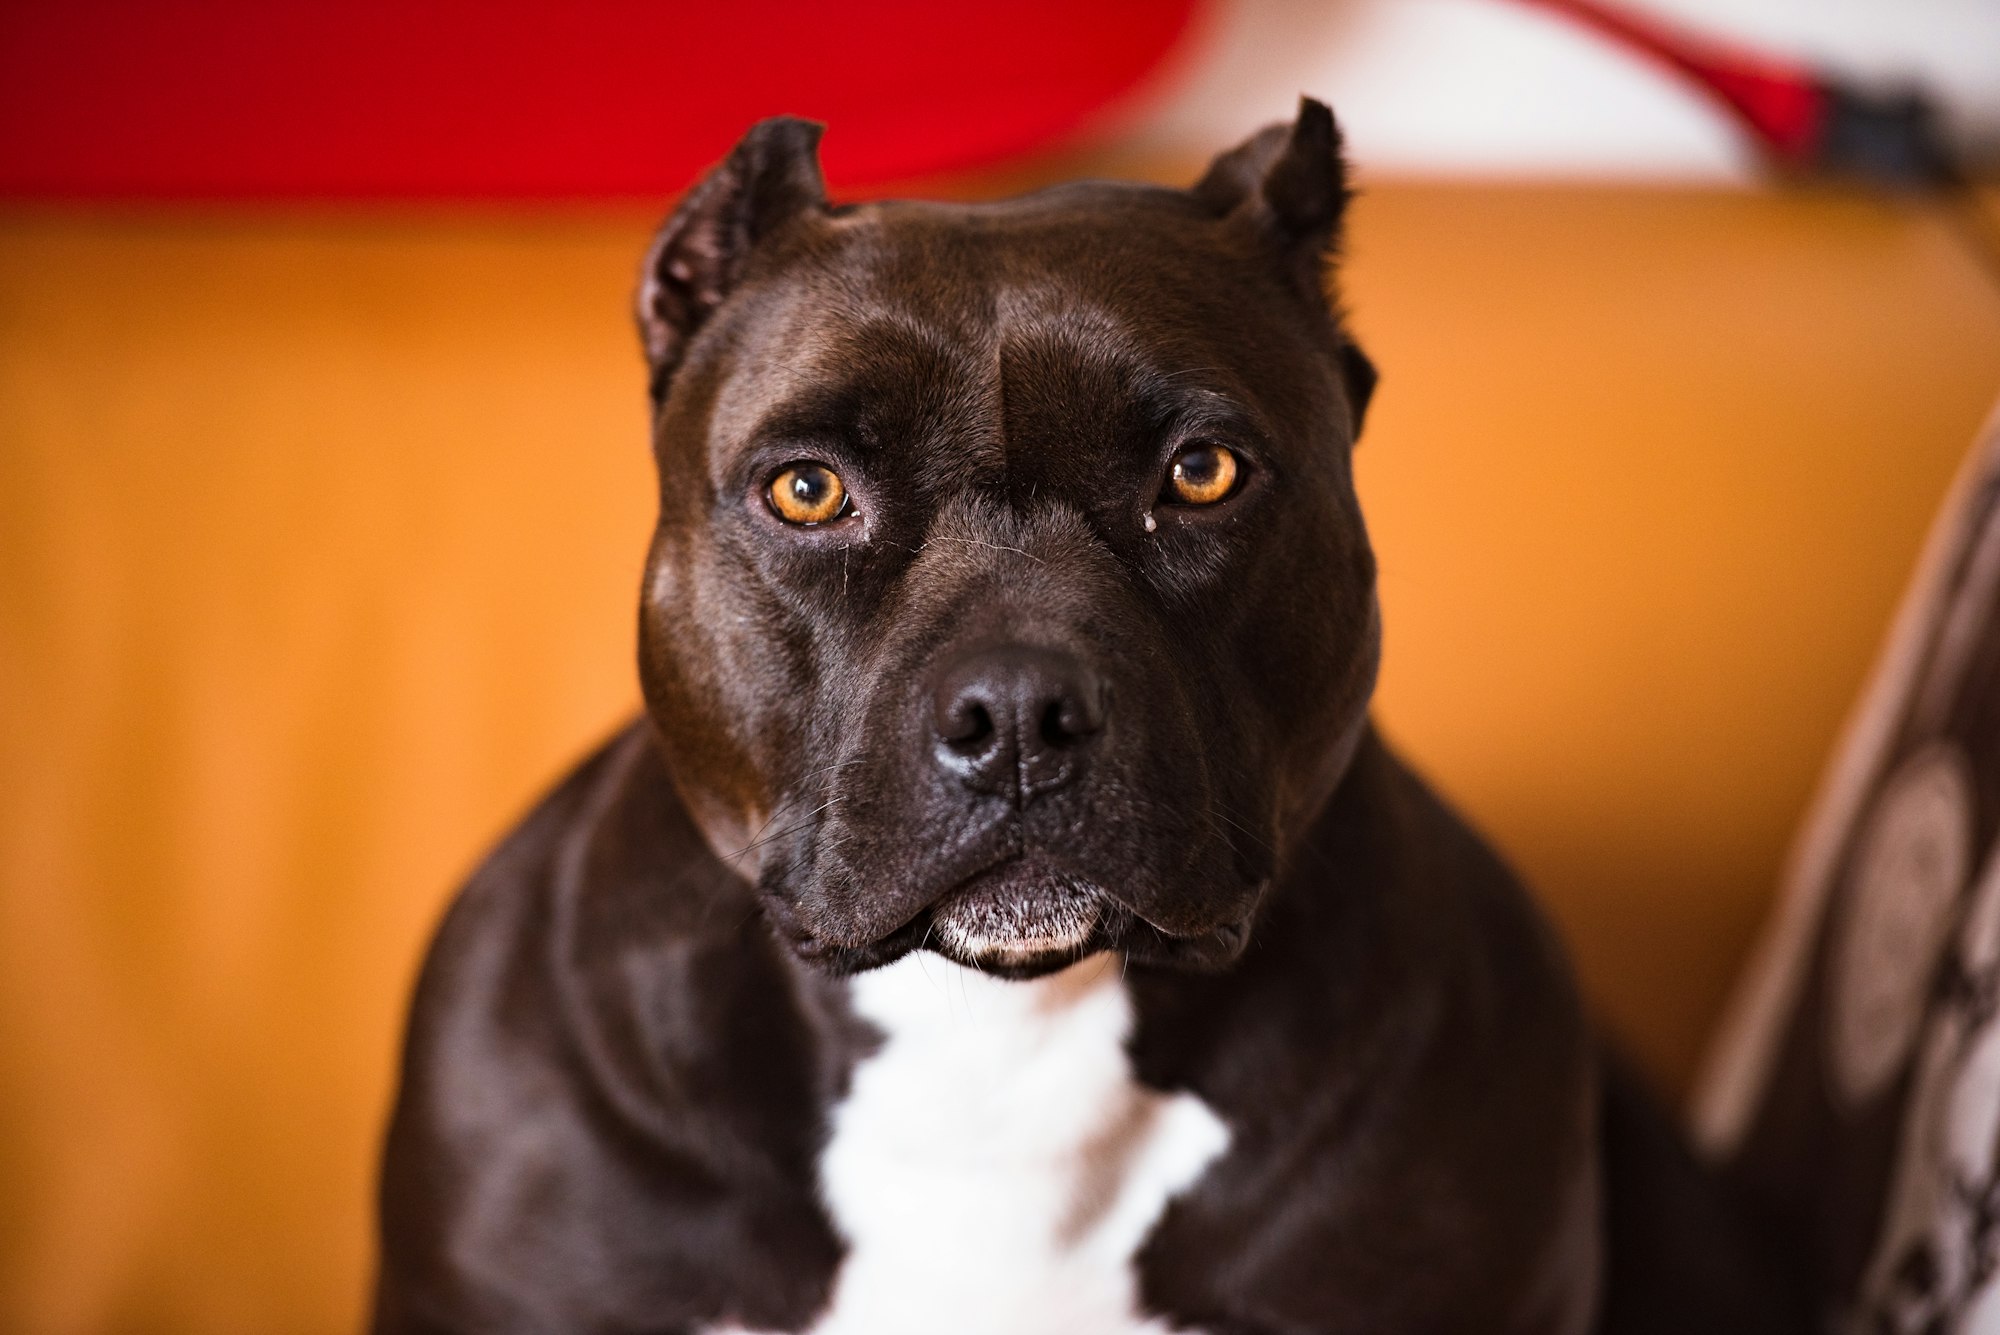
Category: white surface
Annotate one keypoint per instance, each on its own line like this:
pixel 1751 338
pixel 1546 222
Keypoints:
pixel 1491 87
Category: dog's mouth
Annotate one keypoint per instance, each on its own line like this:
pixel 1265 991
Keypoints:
pixel 1022 919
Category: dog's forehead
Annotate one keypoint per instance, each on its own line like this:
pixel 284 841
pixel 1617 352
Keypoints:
pixel 1091 296
pixel 1125 245
pixel 1105 272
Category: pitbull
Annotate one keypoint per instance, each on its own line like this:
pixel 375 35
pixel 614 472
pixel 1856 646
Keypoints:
pixel 1005 918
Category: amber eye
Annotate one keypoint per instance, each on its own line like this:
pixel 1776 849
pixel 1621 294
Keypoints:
pixel 1202 475
pixel 808 493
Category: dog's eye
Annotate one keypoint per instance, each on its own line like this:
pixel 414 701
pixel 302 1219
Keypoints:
pixel 808 493
pixel 1202 474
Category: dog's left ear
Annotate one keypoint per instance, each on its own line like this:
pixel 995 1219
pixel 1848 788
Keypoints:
pixel 769 179
pixel 1288 183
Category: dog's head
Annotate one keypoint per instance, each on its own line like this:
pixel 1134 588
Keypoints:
pixel 1009 595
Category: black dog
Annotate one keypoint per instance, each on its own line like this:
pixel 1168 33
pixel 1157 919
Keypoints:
pixel 1007 919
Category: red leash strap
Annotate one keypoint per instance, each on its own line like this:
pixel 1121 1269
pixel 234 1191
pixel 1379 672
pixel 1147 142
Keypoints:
pixel 1784 106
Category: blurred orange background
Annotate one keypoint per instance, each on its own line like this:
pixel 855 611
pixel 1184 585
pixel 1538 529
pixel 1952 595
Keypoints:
pixel 320 532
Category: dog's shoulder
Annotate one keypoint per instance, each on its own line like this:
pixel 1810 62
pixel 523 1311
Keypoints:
pixel 1403 1051
pixel 606 870
pixel 1393 911
pixel 614 1083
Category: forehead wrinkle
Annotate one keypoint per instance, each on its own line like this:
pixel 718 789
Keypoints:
pixel 1058 321
pixel 1047 337
pixel 892 384
pixel 1082 337
pixel 1169 366
pixel 954 369
pixel 932 292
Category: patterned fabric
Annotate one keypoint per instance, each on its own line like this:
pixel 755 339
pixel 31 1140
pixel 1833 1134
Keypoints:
pixel 1857 1089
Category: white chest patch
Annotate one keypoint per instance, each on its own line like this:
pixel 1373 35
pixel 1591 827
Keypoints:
pixel 994 1166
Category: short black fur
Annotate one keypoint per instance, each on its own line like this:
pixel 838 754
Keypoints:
pixel 1016 682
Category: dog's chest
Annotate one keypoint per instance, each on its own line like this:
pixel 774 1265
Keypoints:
pixel 994 1166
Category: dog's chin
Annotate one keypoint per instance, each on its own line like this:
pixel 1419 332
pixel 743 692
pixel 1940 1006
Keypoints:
pixel 1019 920
pixel 1023 919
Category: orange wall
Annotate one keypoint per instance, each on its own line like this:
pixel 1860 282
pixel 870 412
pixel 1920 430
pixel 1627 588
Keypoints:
pixel 319 541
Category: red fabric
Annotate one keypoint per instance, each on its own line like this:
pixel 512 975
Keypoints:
pixel 1781 103
pixel 536 98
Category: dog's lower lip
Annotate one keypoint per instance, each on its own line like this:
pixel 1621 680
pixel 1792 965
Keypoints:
pixel 1116 925
pixel 1019 910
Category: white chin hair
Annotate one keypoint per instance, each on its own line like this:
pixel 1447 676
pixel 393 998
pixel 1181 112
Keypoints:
pixel 976 945
pixel 1017 922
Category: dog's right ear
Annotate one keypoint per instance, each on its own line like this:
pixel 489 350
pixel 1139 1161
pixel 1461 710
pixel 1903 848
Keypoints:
pixel 771 177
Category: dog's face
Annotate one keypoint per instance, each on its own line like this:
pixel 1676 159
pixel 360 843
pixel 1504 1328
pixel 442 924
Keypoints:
pixel 1009 595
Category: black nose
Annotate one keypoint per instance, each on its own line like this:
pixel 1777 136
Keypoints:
pixel 1016 716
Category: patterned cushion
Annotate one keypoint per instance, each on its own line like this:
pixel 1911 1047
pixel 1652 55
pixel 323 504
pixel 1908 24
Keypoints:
pixel 1856 1087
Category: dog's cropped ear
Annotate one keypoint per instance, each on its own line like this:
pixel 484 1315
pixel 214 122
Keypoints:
pixel 1289 182
pixel 771 177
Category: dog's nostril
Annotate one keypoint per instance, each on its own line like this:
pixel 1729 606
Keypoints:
pixel 1070 719
pixel 967 724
